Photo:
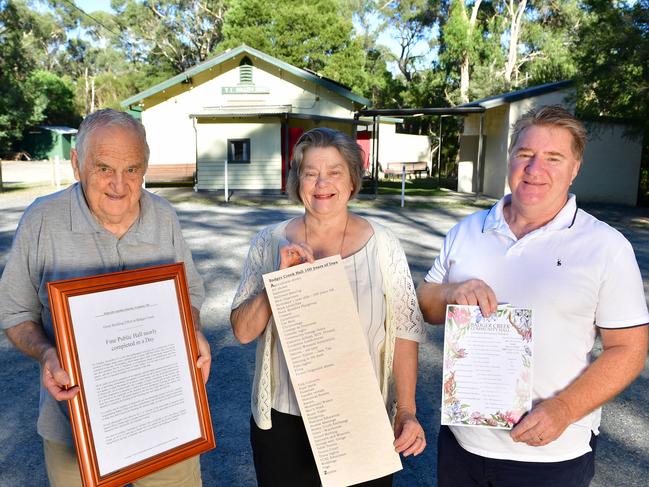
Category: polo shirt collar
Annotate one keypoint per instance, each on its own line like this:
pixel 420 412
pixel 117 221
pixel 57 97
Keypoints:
pixel 83 221
pixel 145 229
pixel 495 220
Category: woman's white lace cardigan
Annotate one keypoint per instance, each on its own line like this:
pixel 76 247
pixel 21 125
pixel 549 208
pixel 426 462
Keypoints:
pixel 402 309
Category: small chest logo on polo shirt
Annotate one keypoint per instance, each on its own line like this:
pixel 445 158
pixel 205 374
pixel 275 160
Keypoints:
pixel 558 262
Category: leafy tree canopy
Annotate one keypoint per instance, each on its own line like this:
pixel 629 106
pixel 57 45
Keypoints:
pixel 17 104
pixel 311 35
pixel 53 98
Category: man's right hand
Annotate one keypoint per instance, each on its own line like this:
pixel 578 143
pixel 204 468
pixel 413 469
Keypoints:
pixel 54 378
pixel 473 292
pixel 433 298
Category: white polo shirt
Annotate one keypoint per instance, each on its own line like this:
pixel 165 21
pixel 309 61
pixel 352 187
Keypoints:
pixel 576 273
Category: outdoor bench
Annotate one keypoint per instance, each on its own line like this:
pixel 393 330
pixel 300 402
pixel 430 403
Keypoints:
pixel 396 168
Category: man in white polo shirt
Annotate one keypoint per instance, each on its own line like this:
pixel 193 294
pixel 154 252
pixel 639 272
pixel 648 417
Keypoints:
pixel 536 249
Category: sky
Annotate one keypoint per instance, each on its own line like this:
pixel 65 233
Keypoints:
pixel 90 6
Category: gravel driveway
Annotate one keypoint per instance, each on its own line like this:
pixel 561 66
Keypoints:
pixel 219 236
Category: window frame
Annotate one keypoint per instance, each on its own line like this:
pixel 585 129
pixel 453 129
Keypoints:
pixel 231 159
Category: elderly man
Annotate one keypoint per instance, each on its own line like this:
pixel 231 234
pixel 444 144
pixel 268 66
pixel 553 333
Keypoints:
pixel 535 248
pixel 103 223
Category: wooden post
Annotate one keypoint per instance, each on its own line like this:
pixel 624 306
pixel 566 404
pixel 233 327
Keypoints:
pixel 57 172
pixel 480 171
pixel 403 185
pixel 225 176
pixel 439 154
pixel 377 133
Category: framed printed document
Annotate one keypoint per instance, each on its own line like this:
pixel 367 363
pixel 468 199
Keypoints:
pixel 487 373
pixel 127 340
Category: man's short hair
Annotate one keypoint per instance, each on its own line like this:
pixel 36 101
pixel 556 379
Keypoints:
pixel 108 117
pixel 552 116
pixel 323 137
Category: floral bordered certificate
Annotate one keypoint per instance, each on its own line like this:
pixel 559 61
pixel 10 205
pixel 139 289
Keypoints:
pixel 487 375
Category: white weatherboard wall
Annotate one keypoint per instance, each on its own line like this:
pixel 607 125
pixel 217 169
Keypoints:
pixel 495 150
pixel 494 146
pixel 170 132
pixel 465 177
pixel 611 168
pixel 395 147
pixel 262 173
pixel 468 155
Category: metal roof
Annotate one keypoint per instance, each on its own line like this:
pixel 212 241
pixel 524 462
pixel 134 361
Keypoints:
pixel 243 49
pixel 411 112
pixel 497 100
pixel 277 114
pixel 59 129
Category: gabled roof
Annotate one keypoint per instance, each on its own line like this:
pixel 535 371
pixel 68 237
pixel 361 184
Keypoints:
pixel 512 96
pixel 232 53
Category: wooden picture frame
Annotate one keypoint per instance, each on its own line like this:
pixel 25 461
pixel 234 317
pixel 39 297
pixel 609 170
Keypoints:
pixel 137 377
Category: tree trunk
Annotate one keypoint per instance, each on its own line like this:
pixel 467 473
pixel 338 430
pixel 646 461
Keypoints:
pixel 87 101
pixel 515 21
pixel 464 79
pixel 92 99
pixel 465 74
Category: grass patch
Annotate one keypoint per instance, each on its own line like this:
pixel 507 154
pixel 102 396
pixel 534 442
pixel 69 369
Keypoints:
pixel 39 187
pixel 12 187
pixel 414 187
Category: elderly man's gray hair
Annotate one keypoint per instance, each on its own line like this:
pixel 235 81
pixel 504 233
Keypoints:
pixel 108 117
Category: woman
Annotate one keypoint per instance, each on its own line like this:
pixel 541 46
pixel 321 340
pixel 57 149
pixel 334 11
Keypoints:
pixel 326 172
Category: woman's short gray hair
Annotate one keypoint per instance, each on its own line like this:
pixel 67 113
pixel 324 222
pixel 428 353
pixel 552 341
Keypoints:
pixel 325 137
pixel 108 117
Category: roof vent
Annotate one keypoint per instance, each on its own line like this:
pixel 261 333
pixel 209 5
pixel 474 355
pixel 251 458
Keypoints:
pixel 245 71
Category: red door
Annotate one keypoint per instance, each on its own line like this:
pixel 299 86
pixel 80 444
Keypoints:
pixel 364 139
pixel 294 133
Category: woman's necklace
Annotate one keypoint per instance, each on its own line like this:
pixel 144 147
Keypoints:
pixel 342 242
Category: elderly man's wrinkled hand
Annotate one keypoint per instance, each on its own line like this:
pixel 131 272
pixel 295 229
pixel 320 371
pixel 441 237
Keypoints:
pixel 204 361
pixel 544 423
pixel 295 254
pixel 473 292
pixel 54 378
pixel 409 435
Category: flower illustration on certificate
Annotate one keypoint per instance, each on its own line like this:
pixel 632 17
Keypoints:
pixel 487 372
